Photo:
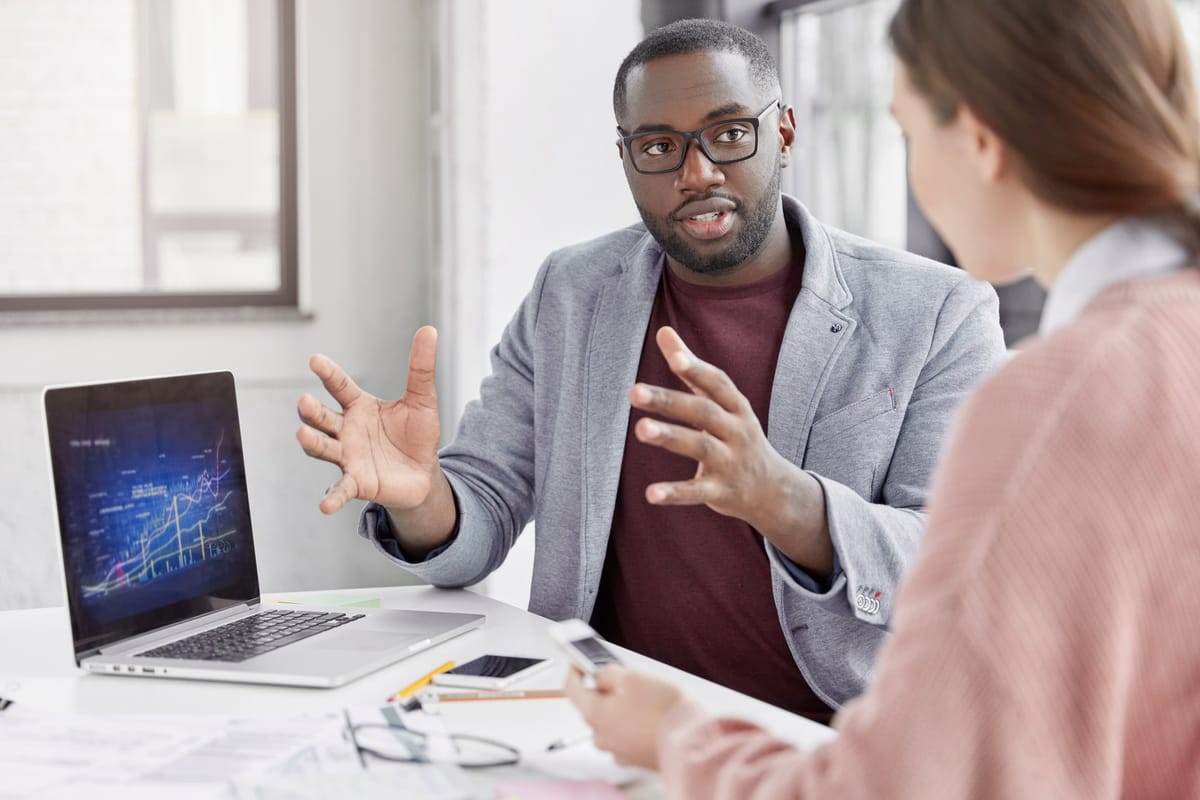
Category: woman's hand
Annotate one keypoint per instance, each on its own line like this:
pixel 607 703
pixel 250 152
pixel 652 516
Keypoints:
pixel 625 711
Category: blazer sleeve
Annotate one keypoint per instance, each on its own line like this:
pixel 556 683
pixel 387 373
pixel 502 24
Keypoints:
pixel 489 465
pixel 876 543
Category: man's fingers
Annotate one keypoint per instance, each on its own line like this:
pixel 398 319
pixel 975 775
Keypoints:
pixel 339 385
pixel 702 377
pixel 422 365
pixel 693 444
pixel 696 410
pixel 683 493
pixel 342 492
pixel 318 445
pixel 671 345
pixel 319 416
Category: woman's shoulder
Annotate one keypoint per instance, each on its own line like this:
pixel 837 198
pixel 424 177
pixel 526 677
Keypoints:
pixel 1073 440
pixel 1125 337
pixel 1122 377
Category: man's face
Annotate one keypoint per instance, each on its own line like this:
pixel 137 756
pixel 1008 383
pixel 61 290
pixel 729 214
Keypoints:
pixel 710 218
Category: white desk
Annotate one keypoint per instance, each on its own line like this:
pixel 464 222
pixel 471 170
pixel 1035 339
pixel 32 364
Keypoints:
pixel 37 666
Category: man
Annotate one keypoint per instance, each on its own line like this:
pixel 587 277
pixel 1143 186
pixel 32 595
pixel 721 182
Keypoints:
pixel 766 561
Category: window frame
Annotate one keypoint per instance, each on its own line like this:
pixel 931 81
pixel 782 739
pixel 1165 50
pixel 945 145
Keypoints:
pixel 287 295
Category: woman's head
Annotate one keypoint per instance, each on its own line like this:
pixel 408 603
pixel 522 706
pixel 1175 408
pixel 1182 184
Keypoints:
pixel 1092 104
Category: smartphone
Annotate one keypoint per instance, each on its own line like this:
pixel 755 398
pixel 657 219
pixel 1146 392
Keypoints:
pixel 584 646
pixel 491 671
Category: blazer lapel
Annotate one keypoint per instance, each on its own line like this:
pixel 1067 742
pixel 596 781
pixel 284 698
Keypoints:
pixel 816 334
pixel 614 352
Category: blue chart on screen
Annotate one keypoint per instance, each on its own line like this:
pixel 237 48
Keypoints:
pixel 161 510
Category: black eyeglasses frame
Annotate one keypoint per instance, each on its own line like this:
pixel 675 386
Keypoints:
pixel 689 136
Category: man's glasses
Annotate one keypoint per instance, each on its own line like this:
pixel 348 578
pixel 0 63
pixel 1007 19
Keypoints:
pixel 725 142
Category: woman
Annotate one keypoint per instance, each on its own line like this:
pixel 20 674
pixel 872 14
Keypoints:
pixel 1047 644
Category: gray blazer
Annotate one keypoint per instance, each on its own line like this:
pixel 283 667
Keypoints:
pixel 880 348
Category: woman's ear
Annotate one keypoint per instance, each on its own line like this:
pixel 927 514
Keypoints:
pixel 985 149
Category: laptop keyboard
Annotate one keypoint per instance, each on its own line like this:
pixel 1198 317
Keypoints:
pixel 251 636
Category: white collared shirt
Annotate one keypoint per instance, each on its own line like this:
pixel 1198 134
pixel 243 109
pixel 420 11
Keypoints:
pixel 1135 247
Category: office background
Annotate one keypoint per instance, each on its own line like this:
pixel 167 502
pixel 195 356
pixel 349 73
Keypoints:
pixel 441 149
pixel 390 94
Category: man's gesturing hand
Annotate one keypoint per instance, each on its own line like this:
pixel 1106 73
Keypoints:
pixel 738 473
pixel 387 451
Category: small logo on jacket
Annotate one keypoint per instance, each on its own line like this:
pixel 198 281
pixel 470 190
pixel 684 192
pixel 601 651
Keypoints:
pixel 867 599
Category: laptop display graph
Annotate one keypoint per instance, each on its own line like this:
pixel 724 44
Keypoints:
pixel 165 507
pixel 153 509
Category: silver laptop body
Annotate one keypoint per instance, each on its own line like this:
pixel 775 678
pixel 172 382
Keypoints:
pixel 158 553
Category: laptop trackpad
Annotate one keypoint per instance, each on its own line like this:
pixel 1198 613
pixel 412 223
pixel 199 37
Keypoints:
pixel 372 641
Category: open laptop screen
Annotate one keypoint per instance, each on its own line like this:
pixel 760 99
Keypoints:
pixel 152 506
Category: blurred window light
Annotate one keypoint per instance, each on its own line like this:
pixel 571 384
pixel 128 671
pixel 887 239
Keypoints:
pixel 836 70
pixel 850 165
pixel 147 154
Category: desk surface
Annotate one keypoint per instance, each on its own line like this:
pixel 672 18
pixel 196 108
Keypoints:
pixel 37 667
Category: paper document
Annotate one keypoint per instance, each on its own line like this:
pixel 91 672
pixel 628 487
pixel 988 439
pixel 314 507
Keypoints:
pixel 582 762
pixel 382 729
pixel 45 754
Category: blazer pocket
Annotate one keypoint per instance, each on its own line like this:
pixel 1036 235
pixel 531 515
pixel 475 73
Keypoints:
pixel 850 416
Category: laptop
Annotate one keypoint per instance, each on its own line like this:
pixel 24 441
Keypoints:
pixel 158 553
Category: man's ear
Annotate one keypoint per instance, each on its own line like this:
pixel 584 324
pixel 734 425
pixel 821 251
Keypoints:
pixel 986 150
pixel 787 134
pixel 620 151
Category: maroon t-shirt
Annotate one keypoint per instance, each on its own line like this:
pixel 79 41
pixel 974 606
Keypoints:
pixel 684 584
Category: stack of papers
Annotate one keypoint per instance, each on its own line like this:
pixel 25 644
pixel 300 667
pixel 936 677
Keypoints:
pixel 196 757
pixel 45 754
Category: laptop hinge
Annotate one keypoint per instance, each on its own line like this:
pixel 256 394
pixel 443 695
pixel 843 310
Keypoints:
pixel 176 630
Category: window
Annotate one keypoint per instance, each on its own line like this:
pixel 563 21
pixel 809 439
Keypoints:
pixel 836 63
pixel 836 69
pixel 147 154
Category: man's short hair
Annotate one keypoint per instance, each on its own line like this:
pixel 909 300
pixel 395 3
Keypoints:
pixel 699 36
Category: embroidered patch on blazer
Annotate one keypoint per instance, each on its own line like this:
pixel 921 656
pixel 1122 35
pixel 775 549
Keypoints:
pixel 867 599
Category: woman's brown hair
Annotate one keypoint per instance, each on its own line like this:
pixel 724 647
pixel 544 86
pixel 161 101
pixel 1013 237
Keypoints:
pixel 1094 97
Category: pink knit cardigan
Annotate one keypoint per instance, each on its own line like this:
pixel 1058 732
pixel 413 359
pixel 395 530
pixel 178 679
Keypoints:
pixel 1047 643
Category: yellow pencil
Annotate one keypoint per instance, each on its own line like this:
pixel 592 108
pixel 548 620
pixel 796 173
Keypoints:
pixel 417 685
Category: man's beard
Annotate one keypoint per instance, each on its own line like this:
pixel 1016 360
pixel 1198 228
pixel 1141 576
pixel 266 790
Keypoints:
pixel 757 220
